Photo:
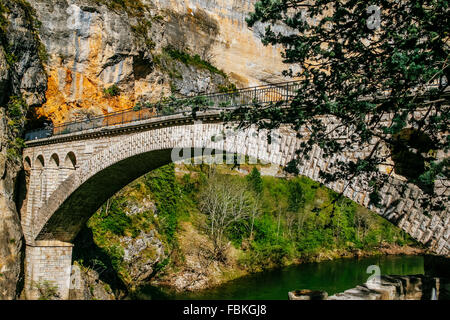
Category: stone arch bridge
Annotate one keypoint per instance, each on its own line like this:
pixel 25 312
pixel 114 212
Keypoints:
pixel 69 176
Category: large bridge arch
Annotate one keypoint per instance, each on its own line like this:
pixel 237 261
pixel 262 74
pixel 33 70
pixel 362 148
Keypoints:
pixel 78 197
pixel 101 162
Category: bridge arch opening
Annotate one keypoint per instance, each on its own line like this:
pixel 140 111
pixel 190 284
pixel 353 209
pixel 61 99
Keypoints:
pixel 40 163
pixel 27 164
pixel 70 161
pixel 54 161
pixel 66 219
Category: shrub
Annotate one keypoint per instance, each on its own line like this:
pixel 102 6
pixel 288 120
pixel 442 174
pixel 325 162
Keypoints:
pixel 114 219
pixel 112 91
pixel 166 193
pixel 255 181
pixel 47 290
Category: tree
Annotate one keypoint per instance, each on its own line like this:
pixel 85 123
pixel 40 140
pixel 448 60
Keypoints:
pixel 358 70
pixel 255 181
pixel 296 201
pixel 225 201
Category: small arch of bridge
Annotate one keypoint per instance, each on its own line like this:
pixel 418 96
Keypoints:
pixel 70 161
pixel 54 161
pixel 27 164
pixel 39 162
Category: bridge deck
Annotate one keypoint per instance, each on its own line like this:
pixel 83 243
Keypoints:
pixel 219 101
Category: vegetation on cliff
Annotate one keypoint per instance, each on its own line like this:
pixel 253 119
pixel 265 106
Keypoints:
pixel 195 60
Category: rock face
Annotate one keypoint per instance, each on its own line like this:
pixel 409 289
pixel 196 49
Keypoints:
pixel 414 287
pixel 141 256
pixel 234 48
pixel 89 46
pixel 86 285
pixel 94 45
pixel 21 76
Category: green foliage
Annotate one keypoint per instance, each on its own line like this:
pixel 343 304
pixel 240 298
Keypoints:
pixel 111 91
pixel 16 107
pixel 166 193
pixel 261 257
pixel 15 148
pixel 142 29
pixel 47 290
pixel 115 220
pixel 134 8
pixel 42 52
pixel 227 88
pixel 357 72
pixel 115 253
pixel 195 60
pixel 255 181
pixel 3 21
pixel 15 111
pixel 187 184
pixel 296 198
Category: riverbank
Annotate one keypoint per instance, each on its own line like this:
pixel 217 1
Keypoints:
pixel 386 287
pixel 197 273
pixel 384 249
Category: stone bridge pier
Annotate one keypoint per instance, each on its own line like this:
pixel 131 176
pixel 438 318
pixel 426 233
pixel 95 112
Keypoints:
pixel 70 176
pixel 48 264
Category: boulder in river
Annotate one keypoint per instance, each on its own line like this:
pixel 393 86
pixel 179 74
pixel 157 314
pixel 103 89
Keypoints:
pixel 306 294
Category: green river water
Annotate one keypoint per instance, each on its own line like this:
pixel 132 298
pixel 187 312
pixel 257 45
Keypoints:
pixel 330 276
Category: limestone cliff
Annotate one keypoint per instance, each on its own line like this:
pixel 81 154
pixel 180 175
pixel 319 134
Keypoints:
pixel 22 85
pixel 96 45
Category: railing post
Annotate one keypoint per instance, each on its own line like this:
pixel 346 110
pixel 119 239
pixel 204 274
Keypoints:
pixel 287 92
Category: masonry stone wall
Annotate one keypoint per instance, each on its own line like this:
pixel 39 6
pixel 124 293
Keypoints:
pixel 47 263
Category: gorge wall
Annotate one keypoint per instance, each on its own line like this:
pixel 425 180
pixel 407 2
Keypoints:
pixel 22 85
pixel 93 45
pixel 60 59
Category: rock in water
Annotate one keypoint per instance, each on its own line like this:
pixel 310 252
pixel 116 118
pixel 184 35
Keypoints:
pixel 307 295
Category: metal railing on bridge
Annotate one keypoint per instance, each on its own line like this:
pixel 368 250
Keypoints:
pixel 228 100
pixel 231 99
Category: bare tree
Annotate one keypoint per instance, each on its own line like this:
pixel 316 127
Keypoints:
pixel 225 200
